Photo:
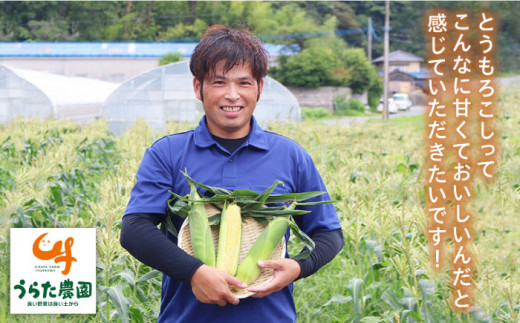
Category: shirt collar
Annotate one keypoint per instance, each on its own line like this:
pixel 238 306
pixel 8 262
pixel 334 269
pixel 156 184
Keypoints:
pixel 256 137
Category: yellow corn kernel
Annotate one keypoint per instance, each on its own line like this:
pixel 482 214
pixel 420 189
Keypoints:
pixel 230 239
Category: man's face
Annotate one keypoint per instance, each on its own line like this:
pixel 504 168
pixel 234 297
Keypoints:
pixel 229 100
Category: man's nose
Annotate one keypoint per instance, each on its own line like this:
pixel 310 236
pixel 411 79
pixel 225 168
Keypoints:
pixel 232 93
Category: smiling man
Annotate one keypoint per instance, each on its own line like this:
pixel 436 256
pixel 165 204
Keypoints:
pixel 227 149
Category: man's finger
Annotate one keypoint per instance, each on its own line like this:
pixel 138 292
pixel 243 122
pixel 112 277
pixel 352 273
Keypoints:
pixel 260 289
pixel 258 295
pixel 232 299
pixel 269 287
pixel 264 290
pixel 233 281
pixel 275 264
pixel 222 302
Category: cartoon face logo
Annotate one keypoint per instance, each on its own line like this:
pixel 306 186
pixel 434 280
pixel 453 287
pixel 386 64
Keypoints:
pixel 45 245
pixel 43 251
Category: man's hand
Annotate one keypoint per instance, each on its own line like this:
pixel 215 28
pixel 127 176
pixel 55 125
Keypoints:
pixel 210 286
pixel 285 272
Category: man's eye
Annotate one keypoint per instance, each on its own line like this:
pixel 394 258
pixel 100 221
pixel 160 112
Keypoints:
pixel 218 82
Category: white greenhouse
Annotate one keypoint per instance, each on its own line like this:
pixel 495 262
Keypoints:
pixel 27 93
pixel 166 94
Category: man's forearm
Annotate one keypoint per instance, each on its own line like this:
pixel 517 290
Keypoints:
pixel 141 237
pixel 328 244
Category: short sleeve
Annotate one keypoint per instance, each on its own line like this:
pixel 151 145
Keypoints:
pixel 323 217
pixel 154 180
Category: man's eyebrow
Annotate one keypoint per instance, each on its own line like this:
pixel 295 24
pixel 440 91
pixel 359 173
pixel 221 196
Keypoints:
pixel 223 77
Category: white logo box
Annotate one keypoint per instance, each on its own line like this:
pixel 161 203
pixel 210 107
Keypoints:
pixel 44 277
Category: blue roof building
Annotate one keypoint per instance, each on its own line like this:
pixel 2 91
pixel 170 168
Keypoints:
pixel 108 61
pixel 106 49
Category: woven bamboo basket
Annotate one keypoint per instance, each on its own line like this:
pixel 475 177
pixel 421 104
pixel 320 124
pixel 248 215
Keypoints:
pixel 251 230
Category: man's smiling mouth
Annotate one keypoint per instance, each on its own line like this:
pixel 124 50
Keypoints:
pixel 231 109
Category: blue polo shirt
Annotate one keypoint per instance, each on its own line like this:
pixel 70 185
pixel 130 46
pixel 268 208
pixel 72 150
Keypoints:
pixel 263 158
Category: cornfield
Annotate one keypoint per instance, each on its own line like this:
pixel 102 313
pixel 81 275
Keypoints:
pixel 57 174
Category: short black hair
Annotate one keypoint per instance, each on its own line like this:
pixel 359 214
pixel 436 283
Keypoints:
pixel 234 46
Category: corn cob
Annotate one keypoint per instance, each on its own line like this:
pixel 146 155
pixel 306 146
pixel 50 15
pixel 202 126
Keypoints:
pixel 200 231
pixel 230 239
pixel 263 248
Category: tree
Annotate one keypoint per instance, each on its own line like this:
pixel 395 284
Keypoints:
pixel 169 58
pixel 260 17
pixel 318 65
pixel 184 31
pixel 358 69
pixel 375 89
pixel 310 68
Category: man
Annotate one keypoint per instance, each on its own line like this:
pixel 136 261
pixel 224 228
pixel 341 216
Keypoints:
pixel 228 149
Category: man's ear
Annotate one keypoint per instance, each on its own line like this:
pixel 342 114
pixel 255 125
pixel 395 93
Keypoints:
pixel 260 88
pixel 197 88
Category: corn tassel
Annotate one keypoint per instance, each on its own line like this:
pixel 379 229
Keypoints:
pixel 230 239
pixel 200 231
pixel 263 248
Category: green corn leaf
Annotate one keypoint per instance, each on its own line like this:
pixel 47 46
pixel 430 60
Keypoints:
pixel 427 288
pixel 127 275
pixel 214 190
pixel 275 212
pixel 245 194
pixel 340 299
pixel 250 203
pixel 409 303
pixel 149 275
pixel 255 215
pixel 318 202
pixel 214 219
pixel 245 207
pixel 179 207
pixel 120 302
pixel 182 198
pixel 267 212
pixel 407 313
pixel 102 305
pixel 136 315
pixel 203 199
pixel 292 197
pixel 265 194
pixel 216 199
pixel 142 295
pixel 354 286
pixel 354 176
pixel 56 193
pixel 391 298
pixel 167 224
pixel 304 238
